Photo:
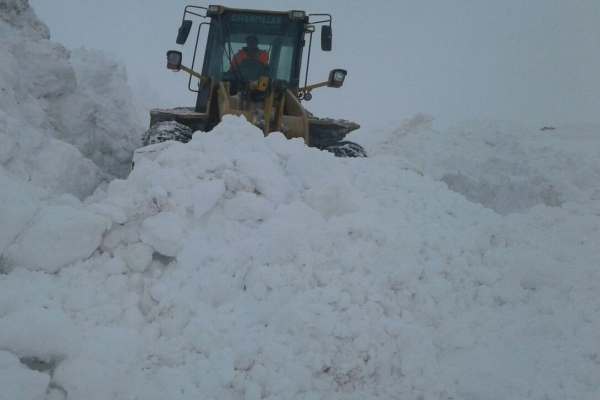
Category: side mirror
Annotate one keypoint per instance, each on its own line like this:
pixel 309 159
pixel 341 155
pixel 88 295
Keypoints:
pixel 336 78
pixel 174 58
pixel 184 31
pixel 326 37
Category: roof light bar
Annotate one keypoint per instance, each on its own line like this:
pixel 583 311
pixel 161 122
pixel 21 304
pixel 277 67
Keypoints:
pixel 297 14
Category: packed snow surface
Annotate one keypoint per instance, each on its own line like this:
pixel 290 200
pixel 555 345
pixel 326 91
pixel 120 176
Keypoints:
pixel 447 265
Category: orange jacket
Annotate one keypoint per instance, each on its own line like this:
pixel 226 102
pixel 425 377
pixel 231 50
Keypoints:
pixel 262 57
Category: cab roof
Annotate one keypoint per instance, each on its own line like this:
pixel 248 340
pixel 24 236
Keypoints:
pixel 223 10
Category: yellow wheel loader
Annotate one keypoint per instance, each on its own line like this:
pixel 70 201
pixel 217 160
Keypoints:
pixel 252 66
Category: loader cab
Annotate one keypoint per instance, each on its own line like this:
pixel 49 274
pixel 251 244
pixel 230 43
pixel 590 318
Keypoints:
pixel 280 40
pixel 281 35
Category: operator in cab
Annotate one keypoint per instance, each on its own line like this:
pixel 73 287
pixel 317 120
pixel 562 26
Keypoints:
pixel 250 53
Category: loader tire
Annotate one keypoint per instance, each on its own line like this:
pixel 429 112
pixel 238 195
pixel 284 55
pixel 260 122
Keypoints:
pixel 167 130
pixel 347 149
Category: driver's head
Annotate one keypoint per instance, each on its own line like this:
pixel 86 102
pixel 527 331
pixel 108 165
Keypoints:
pixel 252 42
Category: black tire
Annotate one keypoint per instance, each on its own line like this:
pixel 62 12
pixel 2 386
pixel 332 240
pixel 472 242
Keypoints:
pixel 167 130
pixel 347 149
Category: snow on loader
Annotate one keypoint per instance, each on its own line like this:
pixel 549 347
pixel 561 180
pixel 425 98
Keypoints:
pixel 252 65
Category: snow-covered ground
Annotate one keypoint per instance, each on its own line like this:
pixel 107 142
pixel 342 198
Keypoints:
pixel 447 265
pixel 505 166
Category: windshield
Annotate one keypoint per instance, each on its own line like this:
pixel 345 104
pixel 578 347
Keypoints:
pixel 246 46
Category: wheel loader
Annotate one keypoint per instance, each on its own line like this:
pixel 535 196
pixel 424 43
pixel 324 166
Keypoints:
pixel 252 67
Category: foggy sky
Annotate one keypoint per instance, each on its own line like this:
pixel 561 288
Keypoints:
pixel 531 61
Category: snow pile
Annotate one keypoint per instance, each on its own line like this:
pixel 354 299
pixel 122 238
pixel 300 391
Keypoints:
pixel 504 166
pixel 237 266
pixel 66 119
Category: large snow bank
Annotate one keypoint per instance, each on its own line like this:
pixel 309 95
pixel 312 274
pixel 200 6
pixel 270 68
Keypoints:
pixel 66 119
pixel 238 266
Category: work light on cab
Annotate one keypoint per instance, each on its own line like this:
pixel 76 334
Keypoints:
pixel 297 15
pixel 174 60
pixel 337 77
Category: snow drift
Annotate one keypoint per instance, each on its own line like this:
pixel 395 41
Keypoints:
pixel 504 166
pixel 243 267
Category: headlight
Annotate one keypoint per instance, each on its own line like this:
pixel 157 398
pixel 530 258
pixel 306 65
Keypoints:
pixel 174 60
pixel 337 77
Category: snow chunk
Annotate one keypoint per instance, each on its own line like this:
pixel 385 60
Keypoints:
pixel 205 196
pixel 45 334
pixel 138 256
pixel 18 204
pixel 18 382
pixel 164 232
pixel 248 207
pixel 60 167
pixel 59 236
pixel 109 366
